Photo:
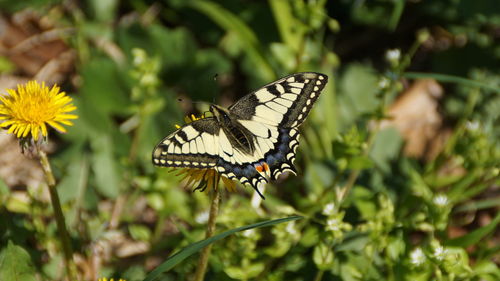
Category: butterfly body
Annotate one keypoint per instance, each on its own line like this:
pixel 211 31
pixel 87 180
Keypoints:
pixel 252 140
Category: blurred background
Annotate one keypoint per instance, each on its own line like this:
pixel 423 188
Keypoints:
pixel 398 167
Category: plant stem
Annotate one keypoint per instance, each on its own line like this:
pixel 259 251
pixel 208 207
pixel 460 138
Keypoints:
pixel 205 253
pixel 319 275
pixel 61 224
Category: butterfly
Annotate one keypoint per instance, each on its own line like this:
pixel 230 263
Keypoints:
pixel 252 140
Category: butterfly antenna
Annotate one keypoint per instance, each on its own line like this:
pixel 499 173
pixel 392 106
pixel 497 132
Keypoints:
pixel 216 76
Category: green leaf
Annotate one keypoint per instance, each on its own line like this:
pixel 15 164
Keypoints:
pixel 323 256
pixel 105 167
pixel 104 10
pixel 15 264
pixel 139 232
pixel 474 236
pixel 290 29
pixel 386 147
pixel 195 247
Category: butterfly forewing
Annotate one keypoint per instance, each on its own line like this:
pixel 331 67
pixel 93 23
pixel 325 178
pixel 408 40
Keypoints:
pixel 284 103
pixel 269 115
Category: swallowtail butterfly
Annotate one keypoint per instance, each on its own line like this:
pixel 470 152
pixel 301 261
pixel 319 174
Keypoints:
pixel 252 140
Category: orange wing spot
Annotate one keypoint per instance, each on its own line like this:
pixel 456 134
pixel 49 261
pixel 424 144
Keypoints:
pixel 266 167
pixel 262 168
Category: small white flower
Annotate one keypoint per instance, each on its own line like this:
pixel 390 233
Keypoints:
pixel 440 200
pixel 333 225
pixel 248 233
pixel 290 228
pixel 417 257
pixel 440 253
pixel 393 55
pixel 383 83
pixel 202 217
pixel 472 125
pixel 329 209
pixel 139 56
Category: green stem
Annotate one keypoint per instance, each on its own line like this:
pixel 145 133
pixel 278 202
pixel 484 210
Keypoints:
pixel 319 275
pixel 205 253
pixel 61 224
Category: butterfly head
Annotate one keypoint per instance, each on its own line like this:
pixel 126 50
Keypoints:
pixel 220 113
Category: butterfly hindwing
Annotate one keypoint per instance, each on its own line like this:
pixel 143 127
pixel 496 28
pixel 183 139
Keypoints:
pixel 195 145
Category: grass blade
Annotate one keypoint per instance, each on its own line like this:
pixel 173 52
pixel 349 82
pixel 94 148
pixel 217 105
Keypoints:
pixel 195 247
pixel 475 236
pixel 451 79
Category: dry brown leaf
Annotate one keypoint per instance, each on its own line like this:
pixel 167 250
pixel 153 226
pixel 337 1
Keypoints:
pixel 415 115
pixel 17 169
pixel 36 47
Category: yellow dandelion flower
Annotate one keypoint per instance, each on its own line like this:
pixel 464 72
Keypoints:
pixel 204 179
pixel 27 111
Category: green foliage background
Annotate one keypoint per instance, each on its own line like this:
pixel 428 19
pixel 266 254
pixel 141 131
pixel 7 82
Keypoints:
pixel 370 213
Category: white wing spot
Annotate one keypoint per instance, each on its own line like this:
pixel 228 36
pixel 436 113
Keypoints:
pixel 291 79
pixel 277 107
pixel 178 150
pixel 177 162
pixel 299 118
pixel 316 88
pixel 313 94
pixel 255 127
pixel 291 97
pixel 185 148
pixel 321 77
pixel 191 132
pixel 209 143
pixel 308 102
pixel 280 88
pixel 269 114
pixel 170 162
pixel 199 145
pixel 264 95
pixel 298 85
pixel 318 82
pixel 283 102
pixel 192 147
pixel 179 139
pixel 304 109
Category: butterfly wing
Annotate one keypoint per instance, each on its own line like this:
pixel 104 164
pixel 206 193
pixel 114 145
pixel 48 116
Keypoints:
pixel 195 145
pixel 273 114
pixel 284 103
